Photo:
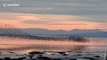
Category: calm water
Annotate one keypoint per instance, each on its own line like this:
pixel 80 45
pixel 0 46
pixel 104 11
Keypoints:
pixel 25 45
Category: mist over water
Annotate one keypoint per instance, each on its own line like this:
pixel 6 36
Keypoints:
pixel 21 45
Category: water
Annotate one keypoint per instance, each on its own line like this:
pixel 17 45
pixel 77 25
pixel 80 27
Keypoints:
pixel 19 45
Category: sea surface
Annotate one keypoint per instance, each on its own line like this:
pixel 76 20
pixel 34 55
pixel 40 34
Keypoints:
pixel 19 45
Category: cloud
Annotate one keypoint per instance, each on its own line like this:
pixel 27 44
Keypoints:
pixel 71 7
pixel 50 22
pixel 45 21
pixel 48 19
pixel 92 18
pixel 94 10
pixel 36 22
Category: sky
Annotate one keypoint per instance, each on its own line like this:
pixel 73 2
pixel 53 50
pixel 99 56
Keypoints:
pixel 54 14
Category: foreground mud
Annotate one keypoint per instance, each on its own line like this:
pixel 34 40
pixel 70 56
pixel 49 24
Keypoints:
pixel 35 55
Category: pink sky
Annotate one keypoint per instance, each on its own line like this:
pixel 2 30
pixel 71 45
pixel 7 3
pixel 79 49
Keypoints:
pixel 47 21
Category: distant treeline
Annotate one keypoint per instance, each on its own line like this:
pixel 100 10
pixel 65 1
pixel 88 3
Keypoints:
pixel 18 33
pixel 71 38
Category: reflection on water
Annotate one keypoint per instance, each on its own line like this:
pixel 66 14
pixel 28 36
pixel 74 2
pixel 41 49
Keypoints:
pixel 36 47
pixel 24 46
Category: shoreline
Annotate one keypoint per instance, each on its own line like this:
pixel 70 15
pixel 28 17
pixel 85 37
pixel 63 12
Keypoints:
pixel 37 55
